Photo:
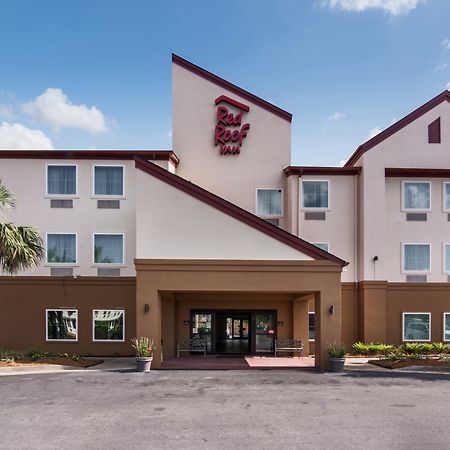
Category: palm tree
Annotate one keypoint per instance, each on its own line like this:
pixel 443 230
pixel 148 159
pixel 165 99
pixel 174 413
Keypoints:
pixel 20 247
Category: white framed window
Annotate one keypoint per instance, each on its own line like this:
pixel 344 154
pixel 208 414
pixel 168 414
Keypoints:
pixel 109 248
pixel 61 180
pixel 416 258
pixel 416 327
pixel 61 325
pixel 322 245
pixel 446 258
pixel 416 196
pixel 269 202
pixel 315 194
pixel 446 196
pixel 108 325
pixel 311 326
pixel 446 326
pixel 109 181
pixel 61 248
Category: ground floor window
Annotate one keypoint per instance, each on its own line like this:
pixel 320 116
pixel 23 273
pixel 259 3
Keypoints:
pixel 417 326
pixel 446 326
pixel 312 325
pixel 109 325
pixel 62 324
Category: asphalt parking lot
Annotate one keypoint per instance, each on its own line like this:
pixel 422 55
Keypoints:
pixel 260 409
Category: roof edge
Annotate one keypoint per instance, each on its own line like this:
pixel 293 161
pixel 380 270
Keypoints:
pixel 316 170
pixel 416 172
pixel 397 126
pixel 231 87
pixel 236 212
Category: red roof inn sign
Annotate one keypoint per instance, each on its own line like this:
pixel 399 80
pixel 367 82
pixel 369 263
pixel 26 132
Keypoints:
pixel 229 132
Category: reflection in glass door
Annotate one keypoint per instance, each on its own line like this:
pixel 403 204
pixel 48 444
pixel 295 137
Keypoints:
pixel 201 328
pixel 265 332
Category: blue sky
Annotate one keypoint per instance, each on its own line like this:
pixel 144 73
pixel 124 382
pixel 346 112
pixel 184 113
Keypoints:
pixel 344 68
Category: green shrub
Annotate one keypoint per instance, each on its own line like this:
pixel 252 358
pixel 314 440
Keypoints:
pixel 440 348
pixel 336 351
pixel 360 348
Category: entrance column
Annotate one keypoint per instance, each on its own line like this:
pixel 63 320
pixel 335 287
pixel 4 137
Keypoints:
pixel 300 325
pixel 328 322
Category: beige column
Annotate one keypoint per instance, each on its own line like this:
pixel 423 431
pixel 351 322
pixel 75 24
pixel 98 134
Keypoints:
pixel 328 322
pixel 168 324
pixel 300 329
pixel 292 204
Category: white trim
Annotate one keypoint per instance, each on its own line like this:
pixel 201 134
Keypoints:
pixel 46 325
pixel 313 208
pixel 444 197
pixel 121 264
pixel 402 261
pixel 443 326
pixel 270 216
pixel 62 196
pixel 61 264
pixel 104 196
pixel 444 258
pixel 322 243
pixel 403 207
pixel 416 340
pixel 93 325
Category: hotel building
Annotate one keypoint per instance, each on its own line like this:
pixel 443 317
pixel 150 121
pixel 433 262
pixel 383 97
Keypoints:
pixel 224 239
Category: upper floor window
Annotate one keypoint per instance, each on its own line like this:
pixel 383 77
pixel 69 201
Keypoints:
pixel 108 248
pixel 447 258
pixel 417 195
pixel 269 202
pixel 61 179
pixel 447 196
pixel 62 248
pixel 315 194
pixel 416 257
pixel 108 180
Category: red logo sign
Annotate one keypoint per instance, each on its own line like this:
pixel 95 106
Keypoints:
pixel 229 132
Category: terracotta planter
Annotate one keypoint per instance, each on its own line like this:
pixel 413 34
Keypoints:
pixel 337 364
pixel 143 364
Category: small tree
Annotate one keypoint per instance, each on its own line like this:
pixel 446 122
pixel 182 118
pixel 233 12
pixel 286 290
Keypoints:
pixel 20 247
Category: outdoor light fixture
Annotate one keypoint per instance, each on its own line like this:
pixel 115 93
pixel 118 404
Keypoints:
pixel 146 307
pixel 331 310
pixel 375 259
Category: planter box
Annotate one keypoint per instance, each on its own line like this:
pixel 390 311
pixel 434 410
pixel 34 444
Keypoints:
pixel 143 364
pixel 337 364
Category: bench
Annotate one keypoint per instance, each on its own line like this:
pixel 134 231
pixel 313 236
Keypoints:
pixel 288 345
pixel 191 345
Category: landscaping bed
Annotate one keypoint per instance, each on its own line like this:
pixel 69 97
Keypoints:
pixel 31 358
pixel 398 364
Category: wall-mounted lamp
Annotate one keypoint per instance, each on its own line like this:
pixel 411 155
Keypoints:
pixel 331 310
pixel 280 323
pixel 186 322
pixel 146 307
pixel 375 259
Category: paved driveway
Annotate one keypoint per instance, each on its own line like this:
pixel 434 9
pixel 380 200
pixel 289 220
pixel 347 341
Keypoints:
pixel 276 409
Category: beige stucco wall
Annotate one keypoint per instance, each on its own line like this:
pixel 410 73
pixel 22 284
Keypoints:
pixel 265 152
pixel 173 224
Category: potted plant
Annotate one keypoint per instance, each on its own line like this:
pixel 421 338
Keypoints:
pixel 337 357
pixel 144 353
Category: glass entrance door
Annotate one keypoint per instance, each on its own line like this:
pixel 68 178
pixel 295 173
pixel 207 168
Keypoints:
pixel 232 333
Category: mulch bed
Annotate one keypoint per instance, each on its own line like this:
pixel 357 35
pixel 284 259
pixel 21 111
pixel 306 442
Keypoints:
pixel 82 363
pixel 387 364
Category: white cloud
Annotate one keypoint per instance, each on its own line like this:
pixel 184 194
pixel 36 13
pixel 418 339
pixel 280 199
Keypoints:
pixel 442 66
pixel 169 133
pixel 6 111
pixel 342 162
pixel 53 107
pixel 15 136
pixel 393 7
pixel 446 44
pixel 337 116
pixel 373 132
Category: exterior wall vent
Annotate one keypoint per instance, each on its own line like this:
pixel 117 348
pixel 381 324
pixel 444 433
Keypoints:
pixel 416 217
pixel 61 271
pixel 108 204
pixel 434 132
pixel 61 203
pixel 108 272
pixel 416 278
pixel 313 215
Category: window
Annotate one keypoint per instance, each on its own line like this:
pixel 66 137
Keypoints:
pixel 417 326
pixel 269 202
pixel 416 195
pixel 61 180
pixel 446 196
pixel 315 194
pixel 108 180
pixel 108 248
pixel 322 245
pixel 447 258
pixel 62 248
pixel 62 324
pixel 446 326
pixel 416 257
pixel 434 132
pixel 108 325
pixel 312 325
